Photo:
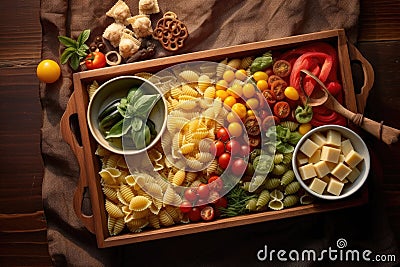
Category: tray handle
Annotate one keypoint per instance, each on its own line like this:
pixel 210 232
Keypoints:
pixel 69 136
pixel 369 77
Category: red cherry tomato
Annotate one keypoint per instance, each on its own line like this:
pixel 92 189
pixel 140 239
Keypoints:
pixel 244 150
pixel 185 206
pixel 269 96
pixel 203 191
pixel 282 68
pixel 214 196
pixel 217 148
pixel 270 121
pixel 282 109
pixel 222 202
pixel 222 134
pixel 215 183
pixel 191 194
pixel 95 60
pixel 233 147
pixel 201 203
pixel 207 213
pixel 224 160
pixel 238 167
pixel 194 215
pixel 278 87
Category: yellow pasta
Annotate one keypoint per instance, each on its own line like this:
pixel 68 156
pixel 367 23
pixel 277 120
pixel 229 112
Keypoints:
pixel 165 218
pixel 179 177
pixel 139 203
pixel 113 210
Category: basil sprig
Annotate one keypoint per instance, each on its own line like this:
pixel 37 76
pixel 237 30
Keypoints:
pixel 135 109
pixel 76 50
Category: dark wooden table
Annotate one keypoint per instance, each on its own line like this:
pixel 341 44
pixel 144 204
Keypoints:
pixel 22 222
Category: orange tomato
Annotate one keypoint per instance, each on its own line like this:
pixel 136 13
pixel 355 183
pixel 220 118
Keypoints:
pixel 235 90
pixel 228 76
pixel 48 71
pixel 235 129
pixel 241 74
pixel 260 75
pixel 262 85
pixel 221 94
pixel 248 90
pixel 230 101
pixel 221 85
pixel 240 110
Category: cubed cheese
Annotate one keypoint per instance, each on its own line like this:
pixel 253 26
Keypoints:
pixel 346 147
pixel 318 186
pixel 355 173
pixel 333 138
pixel 330 154
pixel 341 158
pixel 321 168
pixel 341 171
pixel 326 179
pixel 307 171
pixel 309 147
pixel 353 158
pixel 315 157
pixel 331 165
pixel 318 138
pixel 335 187
pixel 302 159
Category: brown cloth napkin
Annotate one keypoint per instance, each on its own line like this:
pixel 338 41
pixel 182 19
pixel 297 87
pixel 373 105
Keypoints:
pixel 211 24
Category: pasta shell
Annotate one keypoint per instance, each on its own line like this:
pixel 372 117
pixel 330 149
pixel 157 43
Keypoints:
pixel 189 76
pixel 139 203
pixel 179 177
pixel 119 225
pixel 110 193
pixel 165 218
pixel 251 204
pixel 154 221
pixel 126 193
pixel 277 194
pixel 292 188
pixel 174 212
pixel 263 199
pixel 306 199
pixel 275 204
pixel 234 63
pixel 137 225
pixel 290 200
pixel 203 82
pixel 113 210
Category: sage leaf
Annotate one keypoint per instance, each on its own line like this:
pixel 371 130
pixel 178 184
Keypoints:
pixel 116 130
pixel 136 124
pixel 133 95
pixel 68 52
pixel 83 37
pixel 74 62
pixel 143 106
pixel 68 42
pixel 139 138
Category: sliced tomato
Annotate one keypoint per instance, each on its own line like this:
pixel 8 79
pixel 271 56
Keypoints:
pixel 282 109
pixel 278 87
pixel 270 121
pixel 273 78
pixel 269 96
pixel 282 68
pixel 207 213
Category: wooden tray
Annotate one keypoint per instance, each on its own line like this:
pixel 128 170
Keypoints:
pixel 84 146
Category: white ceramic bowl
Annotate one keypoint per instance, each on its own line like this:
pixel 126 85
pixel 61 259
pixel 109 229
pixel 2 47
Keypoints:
pixel 117 88
pixel 358 145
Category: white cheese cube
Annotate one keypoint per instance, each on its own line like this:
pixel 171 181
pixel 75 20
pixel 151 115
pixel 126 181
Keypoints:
pixel 307 171
pixel 333 138
pixel 321 168
pixel 346 147
pixel 341 171
pixel 318 138
pixel 309 147
pixel 330 154
pixel 355 173
pixel 318 186
pixel 302 159
pixel 335 187
pixel 315 157
pixel 353 158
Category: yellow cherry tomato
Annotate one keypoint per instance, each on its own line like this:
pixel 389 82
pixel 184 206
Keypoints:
pixel 251 112
pixel 240 110
pixel 235 90
pixel 221 85
pixel 249 90
pixel 221 94
pixel 228 76
pixel 232 117
pixel 262 85
pixel 291 93
pixel 230 101
pixel 260 75
pixel 48 71
pixel 252 103
pixel 304 128
pixel 235 129
pixel 241 74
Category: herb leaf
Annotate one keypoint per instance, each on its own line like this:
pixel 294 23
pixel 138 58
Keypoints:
pixel 74 61
pixel 68 42
pixel 68 52
pixel 83 37
pixel 143 105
